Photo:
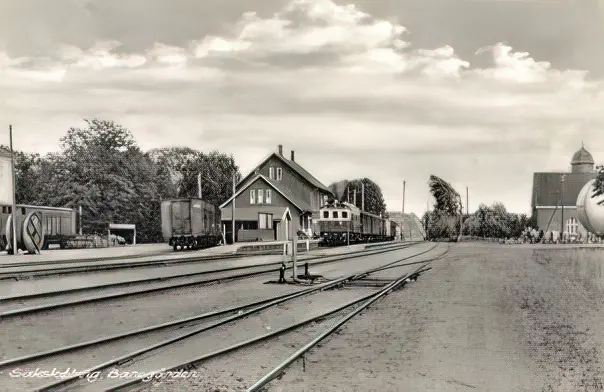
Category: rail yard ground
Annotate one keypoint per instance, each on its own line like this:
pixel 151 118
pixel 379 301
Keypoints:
pixel 485 317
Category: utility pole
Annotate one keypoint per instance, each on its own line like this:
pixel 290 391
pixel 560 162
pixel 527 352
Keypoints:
pixel 348 191
pixel 80 219
pixel 354 196
pixel 562 206
pixel 233 205
pixel 362 196
pixel 14 210
pixel 199 185
pixel 467 203
pixel 404 184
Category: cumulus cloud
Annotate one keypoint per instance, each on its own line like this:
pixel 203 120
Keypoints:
pixel 335 82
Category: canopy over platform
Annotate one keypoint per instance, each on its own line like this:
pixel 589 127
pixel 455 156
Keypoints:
pixel 128 231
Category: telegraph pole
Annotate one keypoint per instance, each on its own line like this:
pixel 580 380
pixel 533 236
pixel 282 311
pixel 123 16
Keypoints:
pixel 467 202
pixel 362 196
pixel 404 184
pixel 199 185
pixel 14 210
pixel 80 219
pixel 562 206
pixel 233 205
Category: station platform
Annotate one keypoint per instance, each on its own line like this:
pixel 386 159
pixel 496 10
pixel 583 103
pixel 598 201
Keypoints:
pixel 150 250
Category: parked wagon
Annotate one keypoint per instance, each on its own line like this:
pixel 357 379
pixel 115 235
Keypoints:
pixel 190 223
pixel 58 225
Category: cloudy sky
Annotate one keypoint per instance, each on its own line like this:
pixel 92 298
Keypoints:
pixel 480 92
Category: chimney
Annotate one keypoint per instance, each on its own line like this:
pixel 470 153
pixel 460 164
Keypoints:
pixel 292 155
pixel 281 149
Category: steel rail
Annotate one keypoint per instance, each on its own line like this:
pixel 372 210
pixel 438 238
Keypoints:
pixel 168 324
pixel 182 275
pixel 79 301
pixel 39 355
pixel 273 302
pixel 16 275
pixel 386 289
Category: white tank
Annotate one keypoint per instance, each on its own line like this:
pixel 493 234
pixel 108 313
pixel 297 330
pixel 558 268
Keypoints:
pixel 590 214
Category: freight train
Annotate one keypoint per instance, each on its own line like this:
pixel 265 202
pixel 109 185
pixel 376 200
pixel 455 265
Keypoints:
pixel 343 223
pixel 58 224
pixel 190 223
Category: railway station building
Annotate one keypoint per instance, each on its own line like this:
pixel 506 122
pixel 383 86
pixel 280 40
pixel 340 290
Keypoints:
pixel 274 201
pixel 555 194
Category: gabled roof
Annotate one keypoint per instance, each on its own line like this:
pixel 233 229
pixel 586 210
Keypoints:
pixel 295 167
pixel 299 204
pixel 546 188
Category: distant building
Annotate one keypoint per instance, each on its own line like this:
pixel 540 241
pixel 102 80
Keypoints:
pixel 409 224
pixel 277 198
pixel 549 188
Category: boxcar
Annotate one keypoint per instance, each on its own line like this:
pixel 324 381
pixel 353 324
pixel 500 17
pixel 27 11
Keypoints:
pixel 58 224
pixel 190 223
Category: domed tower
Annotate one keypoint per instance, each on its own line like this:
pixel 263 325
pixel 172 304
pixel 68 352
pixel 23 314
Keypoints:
pixel 582 161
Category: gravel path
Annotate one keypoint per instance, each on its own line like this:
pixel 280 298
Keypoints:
pixel 485 318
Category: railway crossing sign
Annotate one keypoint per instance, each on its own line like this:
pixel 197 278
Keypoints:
pixel 33 235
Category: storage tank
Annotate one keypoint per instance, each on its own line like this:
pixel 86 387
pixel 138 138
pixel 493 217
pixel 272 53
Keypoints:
pixel 590 214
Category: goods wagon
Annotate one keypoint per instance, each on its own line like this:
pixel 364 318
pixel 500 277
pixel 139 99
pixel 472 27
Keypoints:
pixel 390 226
pixel 340 223
pixel 190 223
pixel 58 224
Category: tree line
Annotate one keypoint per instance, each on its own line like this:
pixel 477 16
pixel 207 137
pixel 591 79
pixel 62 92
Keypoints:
pixel 447 222
pixel 102 169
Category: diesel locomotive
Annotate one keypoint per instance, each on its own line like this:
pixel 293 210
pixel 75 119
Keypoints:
pixel 341 223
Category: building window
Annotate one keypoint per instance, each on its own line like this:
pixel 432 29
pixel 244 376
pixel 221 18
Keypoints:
pixel 279 174
pixel 265 221
pixel 325 199
pixel 260 196
pixel 345 214
pixel 335 214
pixel 268 196
pixel 271 173
pixel 252 196
pixel 326 214
pixel 22 210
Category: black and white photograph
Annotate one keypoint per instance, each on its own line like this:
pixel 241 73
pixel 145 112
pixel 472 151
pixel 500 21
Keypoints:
pixel 302 195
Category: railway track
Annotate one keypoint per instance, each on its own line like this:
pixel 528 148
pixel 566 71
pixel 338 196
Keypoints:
pixel 25 270
pixel 43 301
pixel 194 328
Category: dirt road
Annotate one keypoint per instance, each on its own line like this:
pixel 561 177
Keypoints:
pixel 485 318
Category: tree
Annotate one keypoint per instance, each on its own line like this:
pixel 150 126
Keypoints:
pixel 496 222
pixel 102 169
pixel 599 183
pixel 183 164
pixel 446 215
pixel 447 198
pixel 374 199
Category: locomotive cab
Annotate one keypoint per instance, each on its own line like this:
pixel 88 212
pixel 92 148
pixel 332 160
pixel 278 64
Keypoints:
pixel 338 222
